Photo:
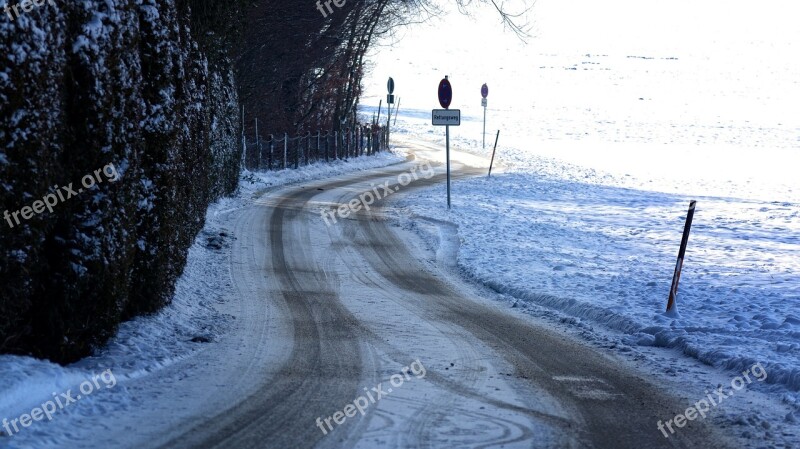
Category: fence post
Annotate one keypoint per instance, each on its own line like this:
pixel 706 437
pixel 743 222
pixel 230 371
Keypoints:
pixel 258 148
pixel 327 144
pixel 271 150
pixel 336 145
pixel 244 143
pixel 285 148
pixel 297 152
pixel 676 276
pixel 491 162
pixel 308 145
pixel 318 147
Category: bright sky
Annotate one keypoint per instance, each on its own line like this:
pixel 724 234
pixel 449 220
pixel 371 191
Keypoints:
pixel 613 84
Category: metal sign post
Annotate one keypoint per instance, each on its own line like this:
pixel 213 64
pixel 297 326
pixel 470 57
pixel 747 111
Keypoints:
pixel 446 117
pixel 484 94
pixel 389 102
pixel 447 149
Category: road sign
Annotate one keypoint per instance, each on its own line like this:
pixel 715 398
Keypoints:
pixel 445 93
pixel 446 117
pixel 390 85
pixel 390 99
pixel 483 102
pixel 484 90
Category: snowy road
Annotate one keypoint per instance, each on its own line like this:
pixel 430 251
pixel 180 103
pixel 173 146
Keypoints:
pixel 327 312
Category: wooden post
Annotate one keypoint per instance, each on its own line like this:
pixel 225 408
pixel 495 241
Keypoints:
pixel 676 276
pixel 285 148
pixel 271 150
pixel 297 153
pixel 258 148
pixel 244 143
pixel 495 149
pixel 343 140
pixel 308 145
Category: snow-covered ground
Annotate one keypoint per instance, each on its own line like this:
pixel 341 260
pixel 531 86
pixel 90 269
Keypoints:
pixel 145 345
pixel 612 118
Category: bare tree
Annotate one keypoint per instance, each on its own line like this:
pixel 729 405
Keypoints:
pixel 301 70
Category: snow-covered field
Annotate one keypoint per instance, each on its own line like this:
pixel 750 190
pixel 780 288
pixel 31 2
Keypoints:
pixel 612 118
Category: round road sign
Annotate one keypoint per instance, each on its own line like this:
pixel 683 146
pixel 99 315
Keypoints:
pixel 484 90
pixel 390 85
pixel 445 93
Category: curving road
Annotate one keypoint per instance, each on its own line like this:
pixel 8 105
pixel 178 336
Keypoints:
pixel 329 311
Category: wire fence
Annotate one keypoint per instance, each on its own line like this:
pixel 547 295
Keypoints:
pixel 281 152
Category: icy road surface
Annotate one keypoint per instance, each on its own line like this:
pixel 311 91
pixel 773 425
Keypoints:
pixel 325 312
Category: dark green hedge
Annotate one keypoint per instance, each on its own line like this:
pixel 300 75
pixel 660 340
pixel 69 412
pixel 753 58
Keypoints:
pixel 146 87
